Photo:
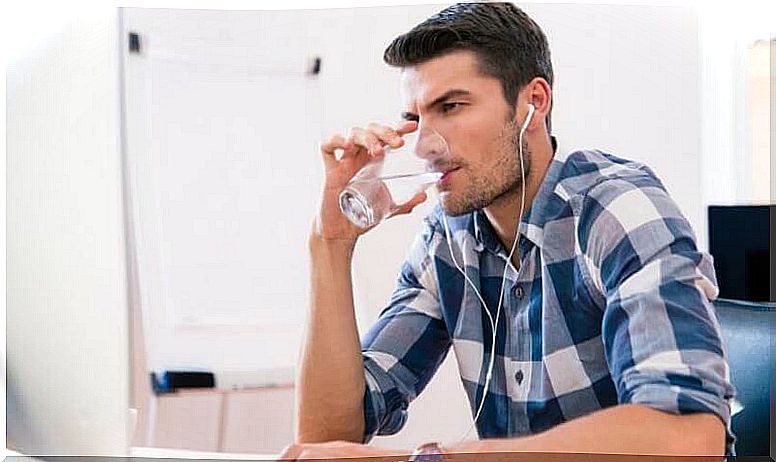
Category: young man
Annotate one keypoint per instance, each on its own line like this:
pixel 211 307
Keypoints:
pixel 580 261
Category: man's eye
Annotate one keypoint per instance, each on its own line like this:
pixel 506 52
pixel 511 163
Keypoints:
pixel 447 107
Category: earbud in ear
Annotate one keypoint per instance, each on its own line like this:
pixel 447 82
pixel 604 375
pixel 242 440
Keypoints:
pixel 531 110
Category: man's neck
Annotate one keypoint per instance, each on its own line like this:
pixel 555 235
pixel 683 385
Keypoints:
pixel 503 212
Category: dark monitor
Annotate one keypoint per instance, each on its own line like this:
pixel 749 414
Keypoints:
pixel 740 242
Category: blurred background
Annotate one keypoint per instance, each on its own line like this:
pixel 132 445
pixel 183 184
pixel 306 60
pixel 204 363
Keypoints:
pixel 162 172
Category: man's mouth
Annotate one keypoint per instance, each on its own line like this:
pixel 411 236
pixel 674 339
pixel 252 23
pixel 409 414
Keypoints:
pixel 447 175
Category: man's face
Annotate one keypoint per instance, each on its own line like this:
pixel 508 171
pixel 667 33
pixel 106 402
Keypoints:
pixel 451 97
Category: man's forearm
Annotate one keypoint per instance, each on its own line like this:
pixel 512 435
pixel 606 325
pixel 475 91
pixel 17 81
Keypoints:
pixel 624 429
pixel 330 382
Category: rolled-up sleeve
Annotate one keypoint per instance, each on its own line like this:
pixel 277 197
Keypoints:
pixel 406 345
pixel 661 335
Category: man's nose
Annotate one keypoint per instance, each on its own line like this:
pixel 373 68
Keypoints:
pixel 431 144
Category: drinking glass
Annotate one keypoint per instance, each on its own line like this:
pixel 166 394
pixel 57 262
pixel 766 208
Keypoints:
pixel 389 181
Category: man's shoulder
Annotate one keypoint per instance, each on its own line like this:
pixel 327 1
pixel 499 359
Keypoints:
pixel 613 197
pixel 618 201
pixel 594 173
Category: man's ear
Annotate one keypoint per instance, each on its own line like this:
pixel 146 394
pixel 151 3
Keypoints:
pixel 539 93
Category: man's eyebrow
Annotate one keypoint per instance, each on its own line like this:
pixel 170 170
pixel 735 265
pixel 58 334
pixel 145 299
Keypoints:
pixel 440 99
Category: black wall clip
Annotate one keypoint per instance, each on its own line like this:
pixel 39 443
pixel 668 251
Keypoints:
pixel 134 42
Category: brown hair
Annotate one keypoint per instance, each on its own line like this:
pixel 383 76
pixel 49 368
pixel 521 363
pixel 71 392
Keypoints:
pixel 509 45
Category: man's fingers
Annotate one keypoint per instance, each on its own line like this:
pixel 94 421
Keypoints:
pixel 330 147
pixel 365 138
pixel 386 134
pixel 408 126
pixel 372 139
pixel 335 142
pixel 375 135
pixel 406 208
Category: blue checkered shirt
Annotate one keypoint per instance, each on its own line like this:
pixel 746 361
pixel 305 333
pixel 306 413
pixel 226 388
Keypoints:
pixel 611 305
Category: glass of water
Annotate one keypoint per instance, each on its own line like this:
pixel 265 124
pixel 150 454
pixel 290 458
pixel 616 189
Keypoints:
pixel 389 181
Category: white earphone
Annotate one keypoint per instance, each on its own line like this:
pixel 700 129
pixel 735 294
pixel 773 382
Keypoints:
pixel 494 324
pixel 528 118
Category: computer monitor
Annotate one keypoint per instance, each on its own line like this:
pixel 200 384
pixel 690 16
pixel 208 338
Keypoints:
pixel 740 242
pixel 67 366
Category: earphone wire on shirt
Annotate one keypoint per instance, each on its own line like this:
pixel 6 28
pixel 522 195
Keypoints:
pixel 494 324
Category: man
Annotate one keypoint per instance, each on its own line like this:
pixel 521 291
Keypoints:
pixel 600 307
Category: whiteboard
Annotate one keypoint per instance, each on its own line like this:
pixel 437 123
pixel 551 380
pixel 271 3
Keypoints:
pixel 222 121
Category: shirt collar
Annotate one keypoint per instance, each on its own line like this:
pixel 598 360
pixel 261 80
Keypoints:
pixel 532 224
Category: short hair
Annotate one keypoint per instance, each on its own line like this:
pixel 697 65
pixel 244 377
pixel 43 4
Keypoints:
pixel 508 44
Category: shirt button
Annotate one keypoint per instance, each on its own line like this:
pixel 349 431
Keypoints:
pixel 519 376
pixel 519 292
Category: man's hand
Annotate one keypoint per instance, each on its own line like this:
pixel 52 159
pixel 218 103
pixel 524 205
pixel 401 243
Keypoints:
pixel 361 145
pixel 341 450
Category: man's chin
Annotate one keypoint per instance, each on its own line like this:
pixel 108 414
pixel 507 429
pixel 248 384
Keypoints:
pixel 452 208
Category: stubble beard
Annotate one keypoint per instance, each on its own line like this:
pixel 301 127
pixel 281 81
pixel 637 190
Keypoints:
pixel 500 182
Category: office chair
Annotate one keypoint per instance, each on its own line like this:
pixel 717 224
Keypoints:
pixel 749 335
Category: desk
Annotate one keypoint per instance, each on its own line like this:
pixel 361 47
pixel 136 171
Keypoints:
pixel 168 453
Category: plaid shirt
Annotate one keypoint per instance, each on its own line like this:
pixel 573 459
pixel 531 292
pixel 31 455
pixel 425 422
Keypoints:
pixel 610 305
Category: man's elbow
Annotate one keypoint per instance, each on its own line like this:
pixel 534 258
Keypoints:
pixel 317 431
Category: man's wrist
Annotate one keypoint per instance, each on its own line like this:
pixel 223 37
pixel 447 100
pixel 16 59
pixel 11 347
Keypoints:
pixel 331 247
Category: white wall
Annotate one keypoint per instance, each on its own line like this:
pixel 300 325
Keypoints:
pixel 734 124
pixel 67 366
